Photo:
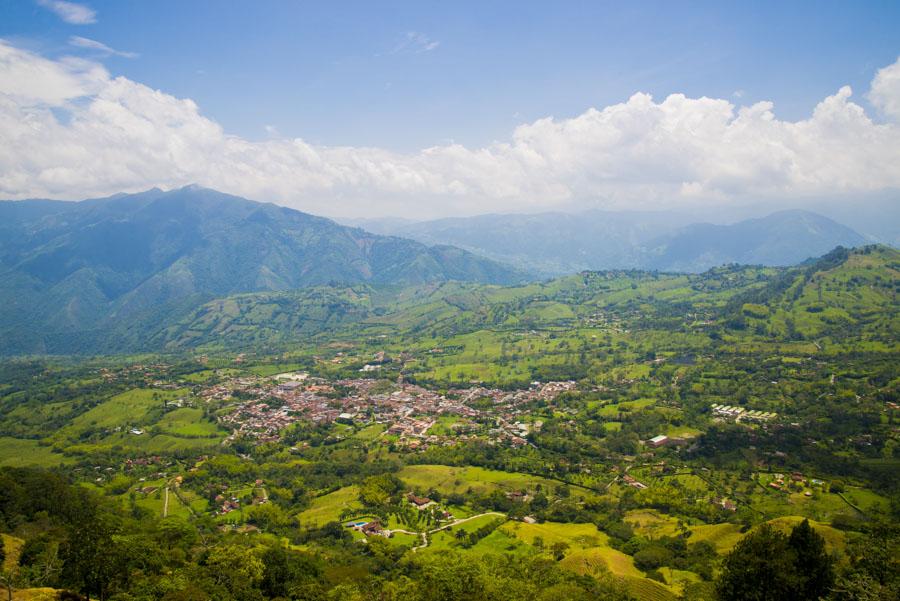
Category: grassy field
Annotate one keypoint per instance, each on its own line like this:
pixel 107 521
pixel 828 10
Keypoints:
pixel 448 479
pixel 126 410
pixel 189 422
pixel 328 508
pixel 834 538
pixel 583 536
pixel 12 545
pixel 652 524
pixel 721 536
pixel 596 560
pixel 19 452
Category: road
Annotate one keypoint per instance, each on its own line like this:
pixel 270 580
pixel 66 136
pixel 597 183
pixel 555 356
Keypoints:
pixel 424 535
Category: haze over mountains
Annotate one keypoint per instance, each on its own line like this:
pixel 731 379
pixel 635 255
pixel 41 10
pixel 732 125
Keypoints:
pixel 77 268
pixel 558 243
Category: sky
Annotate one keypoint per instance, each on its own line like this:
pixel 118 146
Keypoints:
pixel 427 109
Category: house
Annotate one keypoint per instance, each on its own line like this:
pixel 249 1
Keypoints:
pixel 419 502
pixel 630 481
pixel 658 441
pixel 374 528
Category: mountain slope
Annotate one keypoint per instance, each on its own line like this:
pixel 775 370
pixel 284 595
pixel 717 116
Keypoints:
pixel 782 238
pixel 551 243
pixel 843 296
pixel 558 243
pixel 69 269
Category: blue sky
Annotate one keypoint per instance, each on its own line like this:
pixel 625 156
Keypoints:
pixel 362 73
pixel 432 109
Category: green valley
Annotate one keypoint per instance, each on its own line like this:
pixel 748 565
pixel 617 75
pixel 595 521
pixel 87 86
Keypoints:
pixel 612 435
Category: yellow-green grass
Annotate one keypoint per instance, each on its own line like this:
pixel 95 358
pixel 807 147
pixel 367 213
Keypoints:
pixel 690 482
pixel 207 374
pixel 13 547
pixel 162 443
pixel 678 579
pixel 370 433
pixel 443 426
pixel 35 594
pixel 447 479
pixel 721 536
pixel 407 540
pixel 683 431
pixel 156 505
pixel 22 452
pixel 271 370
pixel 652 524
pixel 130 408
pixel 615 409
pixel 834 538
pixel 597 560
pixel 866 499
pixel 328 508
pixel 189 422
pixel 581 536
pixel 499 542
pixel 649 590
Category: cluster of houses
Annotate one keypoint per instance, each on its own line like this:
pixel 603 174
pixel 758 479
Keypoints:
pixel 375 528
pixel 263 407
pixel 632 482
pixel 661 440
pixel 739 414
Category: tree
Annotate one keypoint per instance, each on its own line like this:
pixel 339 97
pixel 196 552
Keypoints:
pixel 760 568
pixel 767 565
pixel 237 569
pixel 813 564
pixel 558 549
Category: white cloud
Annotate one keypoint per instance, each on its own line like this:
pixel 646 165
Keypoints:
pixel 885 92
pixel 119 135
pixel 70 12
pixel 28 79
pixel 414 41
pixel 80 42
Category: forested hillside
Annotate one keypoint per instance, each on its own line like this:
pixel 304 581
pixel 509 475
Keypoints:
pixel 607 435
pixel 71 273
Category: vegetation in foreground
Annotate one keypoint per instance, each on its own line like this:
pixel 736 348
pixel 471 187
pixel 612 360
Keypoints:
pixel 630 435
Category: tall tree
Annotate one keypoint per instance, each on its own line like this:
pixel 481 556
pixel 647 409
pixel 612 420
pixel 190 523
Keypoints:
pixel 760 568
pixel 813 563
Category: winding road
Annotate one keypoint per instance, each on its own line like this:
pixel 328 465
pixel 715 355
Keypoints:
pixel 424 535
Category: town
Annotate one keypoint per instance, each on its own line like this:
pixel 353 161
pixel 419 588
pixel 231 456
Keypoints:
pixel 261 408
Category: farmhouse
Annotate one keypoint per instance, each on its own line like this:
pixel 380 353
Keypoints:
pixel 658 441
pixel 374 528
pixel 419 502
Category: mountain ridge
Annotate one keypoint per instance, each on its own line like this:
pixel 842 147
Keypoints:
pixel 75 267
pixel 556 243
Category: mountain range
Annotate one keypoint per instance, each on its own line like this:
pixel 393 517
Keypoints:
pixel 113 273
pixel 70 271
pixel 558 243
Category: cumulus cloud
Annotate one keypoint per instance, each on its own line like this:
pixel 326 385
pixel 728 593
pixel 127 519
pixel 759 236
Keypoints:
pixel 70 12
pixel 71 130
pixel 89 44
pixel 885 92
